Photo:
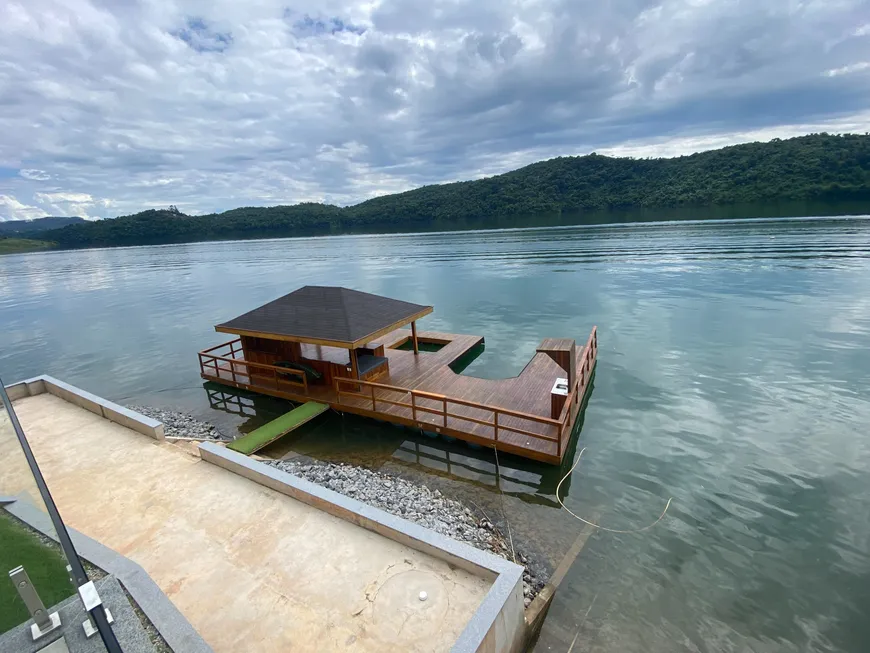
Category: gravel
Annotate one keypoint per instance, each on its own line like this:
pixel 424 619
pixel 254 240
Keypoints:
pixel 177 424
pixel 416 503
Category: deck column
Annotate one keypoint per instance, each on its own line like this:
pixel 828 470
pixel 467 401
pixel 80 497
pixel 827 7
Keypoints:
pixel 354 365
pixel 414 337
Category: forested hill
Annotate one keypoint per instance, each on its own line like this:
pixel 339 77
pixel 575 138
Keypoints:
pixel 12 227
pixel 816 167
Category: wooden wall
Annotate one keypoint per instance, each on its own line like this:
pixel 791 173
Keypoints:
pixel 268 352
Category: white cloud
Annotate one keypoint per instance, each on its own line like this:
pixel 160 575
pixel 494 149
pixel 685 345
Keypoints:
pixel 35 175
pixel 212 105
pixel 78 198
pixel 15 210
pixel 851 68
pixel 56 204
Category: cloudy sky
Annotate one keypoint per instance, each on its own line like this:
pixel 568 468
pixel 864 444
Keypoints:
pixel 109 107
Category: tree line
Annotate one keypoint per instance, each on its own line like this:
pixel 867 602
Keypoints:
pixel 814 167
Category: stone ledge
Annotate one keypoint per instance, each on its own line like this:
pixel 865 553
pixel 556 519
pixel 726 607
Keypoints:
pixel 84 399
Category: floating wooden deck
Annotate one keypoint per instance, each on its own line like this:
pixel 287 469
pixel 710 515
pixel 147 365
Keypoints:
pixel 422 391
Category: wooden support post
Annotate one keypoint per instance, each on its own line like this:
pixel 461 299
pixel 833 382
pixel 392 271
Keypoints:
pixel 571 367
pixel 354 367
pixel 444 404
pixel 354 370
pixel 495 425
pixel 413 407
pixel 414 337
pixel 374 405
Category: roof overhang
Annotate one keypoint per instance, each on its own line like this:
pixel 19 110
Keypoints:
pixel 330 343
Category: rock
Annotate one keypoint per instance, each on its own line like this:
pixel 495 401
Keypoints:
pixel 177 424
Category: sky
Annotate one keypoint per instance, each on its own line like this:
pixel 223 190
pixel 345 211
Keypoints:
pixel 109 107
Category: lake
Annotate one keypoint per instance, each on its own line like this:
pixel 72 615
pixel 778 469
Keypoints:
pixel 733 376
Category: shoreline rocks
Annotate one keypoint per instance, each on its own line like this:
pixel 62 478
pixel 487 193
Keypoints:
pixel 177 424
pixel 416 503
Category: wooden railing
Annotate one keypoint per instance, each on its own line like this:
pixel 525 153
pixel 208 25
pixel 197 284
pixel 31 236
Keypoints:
pixel 420 403
pixel 442 408
pixel 230 365
pixel 584 372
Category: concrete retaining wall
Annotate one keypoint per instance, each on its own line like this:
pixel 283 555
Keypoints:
pixel 84 399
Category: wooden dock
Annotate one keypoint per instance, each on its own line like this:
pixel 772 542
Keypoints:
pixel 514 415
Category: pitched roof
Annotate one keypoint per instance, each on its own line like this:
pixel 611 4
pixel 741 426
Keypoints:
pixel 328 314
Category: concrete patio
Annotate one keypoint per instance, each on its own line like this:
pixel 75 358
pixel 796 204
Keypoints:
pixel 251 568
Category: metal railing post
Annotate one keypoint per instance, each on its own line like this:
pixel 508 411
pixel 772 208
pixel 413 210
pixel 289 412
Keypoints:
pixel 43 621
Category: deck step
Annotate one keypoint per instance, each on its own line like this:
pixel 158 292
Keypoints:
pixel 268 433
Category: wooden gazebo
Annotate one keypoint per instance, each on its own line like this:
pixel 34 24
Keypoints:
pixel 325 332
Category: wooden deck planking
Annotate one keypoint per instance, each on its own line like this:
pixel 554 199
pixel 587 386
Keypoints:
pixel 528 393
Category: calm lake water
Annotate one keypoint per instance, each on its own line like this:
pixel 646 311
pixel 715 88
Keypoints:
pixel 734 376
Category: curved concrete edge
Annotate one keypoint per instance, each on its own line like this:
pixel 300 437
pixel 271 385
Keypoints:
pixel 497 626
pixel 91 402
pixel 168 620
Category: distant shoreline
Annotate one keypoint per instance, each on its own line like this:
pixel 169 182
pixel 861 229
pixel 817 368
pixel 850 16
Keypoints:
pixel 42 246
pixel 24 245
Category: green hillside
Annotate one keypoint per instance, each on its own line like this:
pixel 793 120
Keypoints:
pixel 18 245
pixel 815 167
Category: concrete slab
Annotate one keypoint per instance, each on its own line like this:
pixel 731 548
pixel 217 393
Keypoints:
pixel 250 568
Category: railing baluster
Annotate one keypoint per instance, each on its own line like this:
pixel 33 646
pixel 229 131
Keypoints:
pixel 495 425
pixel 444 402
pixel 374 405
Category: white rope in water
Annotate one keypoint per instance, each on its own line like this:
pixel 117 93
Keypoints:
pixel 503 512
pixel 589 523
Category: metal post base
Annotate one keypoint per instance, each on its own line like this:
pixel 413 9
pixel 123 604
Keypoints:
pixel 38 632
pixel 90 629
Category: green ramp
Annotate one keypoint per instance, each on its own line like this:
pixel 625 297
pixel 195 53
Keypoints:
pixel 268 433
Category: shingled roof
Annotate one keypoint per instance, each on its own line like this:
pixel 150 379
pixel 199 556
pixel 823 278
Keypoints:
pixel 332 315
